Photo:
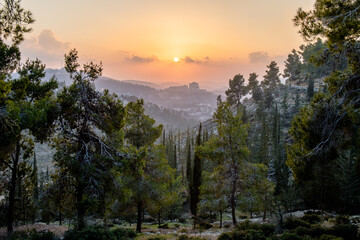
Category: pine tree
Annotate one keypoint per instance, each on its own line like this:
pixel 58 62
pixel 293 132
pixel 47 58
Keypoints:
pixel 310 89
pixel 196 179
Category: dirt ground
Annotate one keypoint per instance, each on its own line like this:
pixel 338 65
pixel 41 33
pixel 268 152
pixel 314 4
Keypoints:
pixel 57 230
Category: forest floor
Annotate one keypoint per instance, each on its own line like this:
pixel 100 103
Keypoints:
pixel 39 227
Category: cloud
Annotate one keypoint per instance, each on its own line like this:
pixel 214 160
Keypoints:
pixel 138 59
pixel 48 41
pixel 45 47
pixel 188 59
pixel 256 57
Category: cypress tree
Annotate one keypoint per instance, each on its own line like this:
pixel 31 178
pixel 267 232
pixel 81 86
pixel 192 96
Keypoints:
pixel 196 179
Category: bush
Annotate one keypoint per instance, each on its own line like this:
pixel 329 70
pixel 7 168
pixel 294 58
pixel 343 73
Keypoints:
pixel 243 216
pixel 301 231
pixel 238 235
pixel 247 225
pixel 317 231
pixel 225 236
pixel 177 225
pixel 292 223
pixel 290 236
pixel 164 226
pixel 311 218
pixel 186 237
pixel 123 233
pixel 342 219
pixel 227 225
pixel 329 237
pixel 252 234
pixel 90 233
pixel 205 225
pixel 183 230
pixel 157 238
pixel 33 235
pixel 346 231
pixel 267 229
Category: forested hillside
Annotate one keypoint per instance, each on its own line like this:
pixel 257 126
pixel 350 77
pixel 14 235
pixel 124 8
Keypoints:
pixel 275 161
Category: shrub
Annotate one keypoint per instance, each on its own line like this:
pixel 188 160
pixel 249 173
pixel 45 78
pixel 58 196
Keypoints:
pixel 33 235
pixel 346 231
pixel 183 230
pixel 157 238
pixel 186 237
pixel 177 225
pixel 292 223
pixel 238 235
pixel 182 220
pixel 252 234
pixel 90 233
pixel 205 225
pixel 317 231
pixel 243 216
pixel 247 225
pixel 123 233
pixel 268 229
pixel 342 219
pixel 227 225
pixel 301 231
pixel 329 237
pixel 225 236
pixel 164 226
pixel 41 235
pixel 311 218
pixel 290 236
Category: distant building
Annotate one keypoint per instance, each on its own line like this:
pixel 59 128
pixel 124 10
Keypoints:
pixel 178 88
pixel 194 85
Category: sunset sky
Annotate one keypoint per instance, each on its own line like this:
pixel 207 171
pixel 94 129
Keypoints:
pixel 139 39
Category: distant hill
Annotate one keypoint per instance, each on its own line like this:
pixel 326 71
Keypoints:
pixel 144 83
pixel 199 104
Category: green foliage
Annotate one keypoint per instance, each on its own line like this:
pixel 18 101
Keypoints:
pixel 290 236
pixel 311 218
pixel 346 231
pixel 334 19
pixel 228 148
pixel 225 236
pixel 330 237
pixel 266 229
pixel 293 223
pixel 157 238
pixel 236 90
pixel 293 66
pixel 164 226
pixel 196 178
pixel 100 233
pixel 342 219
pixel 32 235
pixel 123 233
pixel 90 233
pixel 186 237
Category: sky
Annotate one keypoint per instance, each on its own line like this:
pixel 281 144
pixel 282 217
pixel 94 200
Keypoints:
pixel 212 40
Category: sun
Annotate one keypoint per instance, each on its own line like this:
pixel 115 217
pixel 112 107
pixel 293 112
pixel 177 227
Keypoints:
pixel 176 59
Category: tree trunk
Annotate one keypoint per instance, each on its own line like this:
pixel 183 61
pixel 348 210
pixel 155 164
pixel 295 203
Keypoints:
pixel 233 205
pixel 14 169
pixel 139 216
pixel 80 206
pixel 221 213
pixel 159 218
pixel 265 208
pixel 60 218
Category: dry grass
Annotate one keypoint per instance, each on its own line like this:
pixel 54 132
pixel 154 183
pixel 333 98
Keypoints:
pixel 57 230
